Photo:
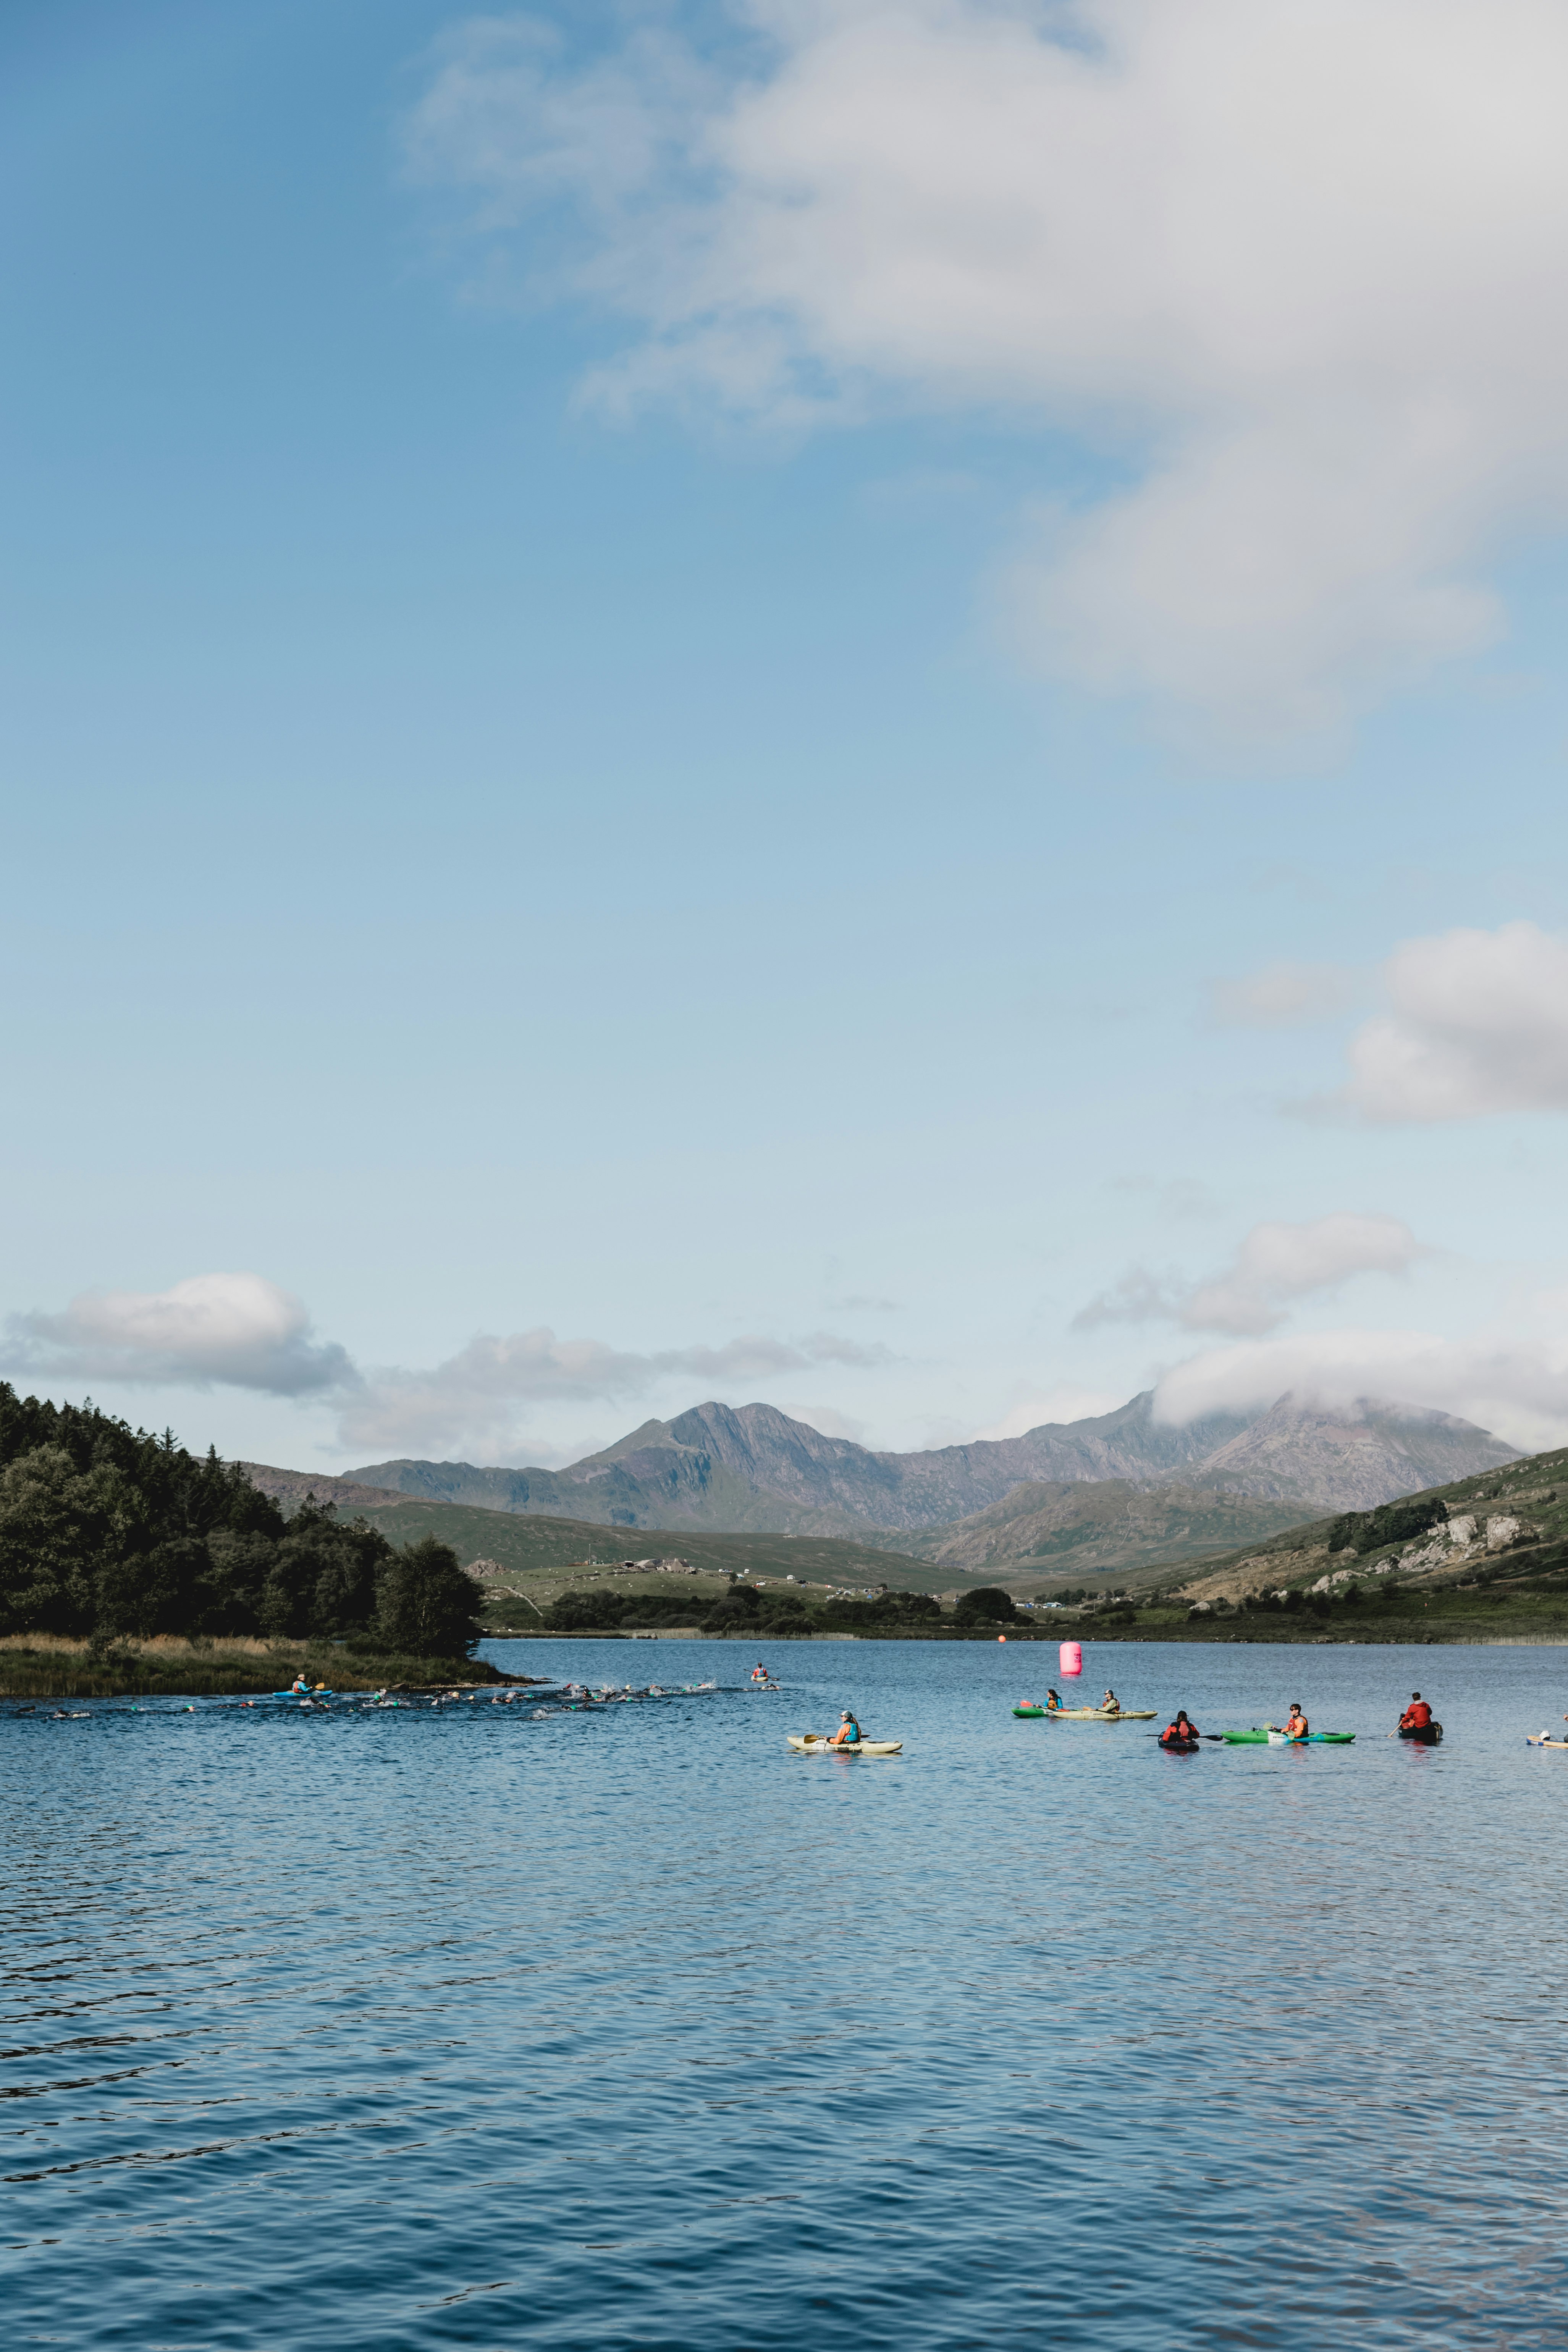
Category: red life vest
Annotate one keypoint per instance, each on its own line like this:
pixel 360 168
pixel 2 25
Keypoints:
pixel 1417 1717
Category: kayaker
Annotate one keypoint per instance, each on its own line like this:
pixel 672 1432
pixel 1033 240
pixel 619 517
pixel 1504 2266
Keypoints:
pixel 1296 1726
pixel 1054 1705
pixel 848 1733
pixel 758 1672
pixel 1178 1734
pixel 1110 1704
pixel 299 1686
pixel 1417 1715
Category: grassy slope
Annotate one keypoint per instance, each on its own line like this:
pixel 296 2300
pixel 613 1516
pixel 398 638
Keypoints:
pixel 1525 1597
pixel 530 1547
pixel 723 1502
pixel 1080 1532
pixel 1534 1489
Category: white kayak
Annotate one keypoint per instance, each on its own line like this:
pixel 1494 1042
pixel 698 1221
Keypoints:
pixel 808 1744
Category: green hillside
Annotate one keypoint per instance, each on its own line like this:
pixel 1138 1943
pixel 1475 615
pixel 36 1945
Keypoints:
pixel 531 1548
pixel 1420 1535
pixel 1090 1528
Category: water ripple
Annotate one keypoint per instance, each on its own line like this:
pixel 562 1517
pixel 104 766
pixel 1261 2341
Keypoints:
pixel 632 2030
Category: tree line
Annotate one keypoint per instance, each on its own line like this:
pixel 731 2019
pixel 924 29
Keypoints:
pixel 106 1531
pixel 776 1613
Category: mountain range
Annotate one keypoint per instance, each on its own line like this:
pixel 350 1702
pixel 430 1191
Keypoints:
pixel 1230 1478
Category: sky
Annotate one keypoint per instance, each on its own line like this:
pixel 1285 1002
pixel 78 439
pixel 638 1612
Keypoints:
pixel 854 705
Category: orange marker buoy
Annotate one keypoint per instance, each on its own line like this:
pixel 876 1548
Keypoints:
pixel 1001 1637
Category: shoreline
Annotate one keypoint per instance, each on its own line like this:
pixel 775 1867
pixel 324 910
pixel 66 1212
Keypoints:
pixel 174 1670
pixel 60 1673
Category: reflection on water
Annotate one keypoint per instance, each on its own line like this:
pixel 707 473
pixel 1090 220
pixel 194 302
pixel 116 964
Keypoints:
pixel 632 2029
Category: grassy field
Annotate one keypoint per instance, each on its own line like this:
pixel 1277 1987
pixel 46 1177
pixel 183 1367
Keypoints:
pixel 533 1548
pixel 36 1665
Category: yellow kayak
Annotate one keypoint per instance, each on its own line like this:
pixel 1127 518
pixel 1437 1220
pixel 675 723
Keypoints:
pixel 808 1744
pixel 1086 1713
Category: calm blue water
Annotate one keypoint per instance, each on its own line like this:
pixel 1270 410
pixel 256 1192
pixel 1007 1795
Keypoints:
pixel 634 2029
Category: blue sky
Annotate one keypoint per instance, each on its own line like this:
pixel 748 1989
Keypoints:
pixel 670 681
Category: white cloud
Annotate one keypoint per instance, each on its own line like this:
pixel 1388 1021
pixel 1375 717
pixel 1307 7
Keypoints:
pixel 1294 270
pixel 1046 1405
pixel 473 1398
pixel 1275 1264
pixel 1517 1388
pixel 829 1421
pixel 1281 996
pixel 238 1329
pixel 1477 1022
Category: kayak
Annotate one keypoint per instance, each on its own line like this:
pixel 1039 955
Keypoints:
pixel 310 1694
pixel 1181 1748
pixel 1261 1736
pixel 1085 1714
pixel 1542 1740
pixel 1426 1735
pixel 806 1745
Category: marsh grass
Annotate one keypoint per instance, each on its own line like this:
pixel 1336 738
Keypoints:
pixel 46 1665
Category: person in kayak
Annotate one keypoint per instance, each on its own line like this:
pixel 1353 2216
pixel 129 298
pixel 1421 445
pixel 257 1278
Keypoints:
pixel 1296 1724
pixel 1110 1704
pixel 1180 1732
pixel 758 1672
pixel 1417 1715
pixel 299 1686
pixel 1054 1705
pixel 848 1733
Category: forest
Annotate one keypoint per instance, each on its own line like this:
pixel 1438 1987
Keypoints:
pixel 106 1531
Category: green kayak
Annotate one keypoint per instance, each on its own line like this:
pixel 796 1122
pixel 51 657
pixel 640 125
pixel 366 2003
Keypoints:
pixel 1261 1736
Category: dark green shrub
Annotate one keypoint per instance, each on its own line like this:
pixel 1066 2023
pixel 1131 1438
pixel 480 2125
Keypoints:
pixel 584 1612
pixel 735 1611
pixel 426 1603
pixel 988 1605
pixel 1390 1523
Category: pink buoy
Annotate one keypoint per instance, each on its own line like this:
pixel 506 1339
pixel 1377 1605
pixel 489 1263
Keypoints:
pixel 1072 1656
pixel 1001 1637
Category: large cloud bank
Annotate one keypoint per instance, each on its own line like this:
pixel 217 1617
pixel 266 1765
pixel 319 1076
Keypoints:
pixel 1294 271
pixel 1517 1387
pixel 240 1330
pixel 237 1330
pixel 1277 1265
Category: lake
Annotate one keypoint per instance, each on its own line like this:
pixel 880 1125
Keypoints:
pixel 634 2029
